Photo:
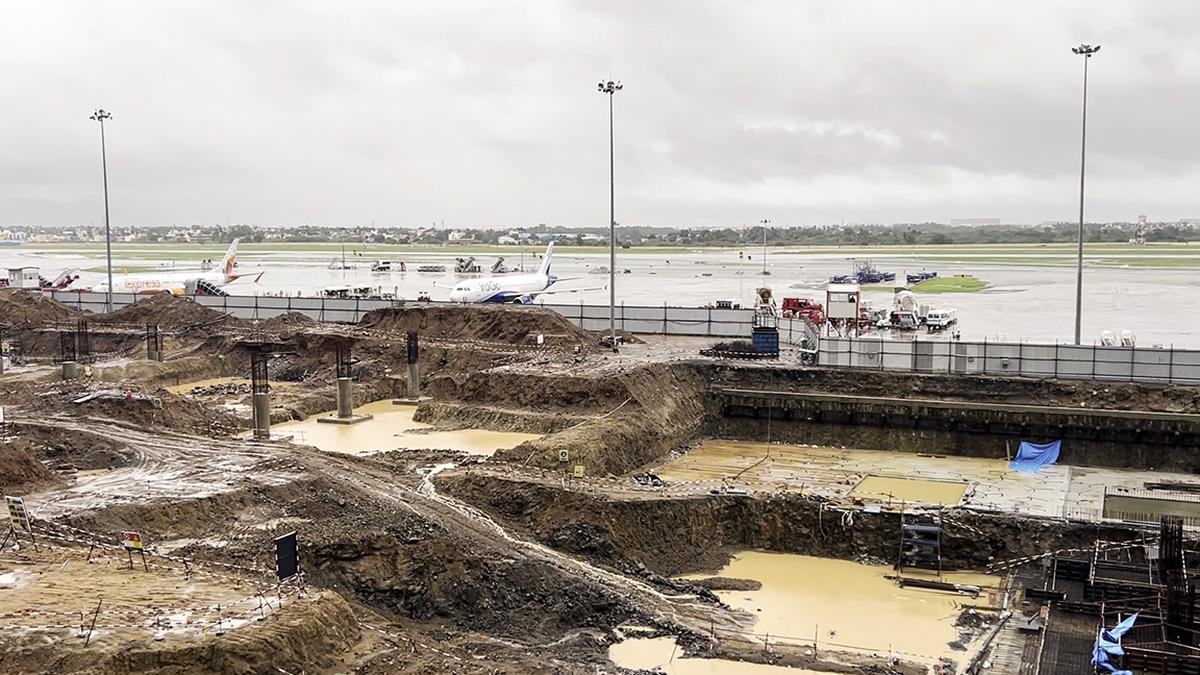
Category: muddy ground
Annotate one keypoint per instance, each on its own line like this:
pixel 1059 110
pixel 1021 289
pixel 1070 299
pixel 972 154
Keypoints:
pixel 427 569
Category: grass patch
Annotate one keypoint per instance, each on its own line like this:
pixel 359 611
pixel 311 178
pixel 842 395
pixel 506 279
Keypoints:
pixel 959 283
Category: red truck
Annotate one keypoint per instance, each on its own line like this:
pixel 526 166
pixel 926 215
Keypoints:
pixel 794 308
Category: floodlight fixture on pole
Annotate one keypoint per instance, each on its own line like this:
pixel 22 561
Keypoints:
pixel 99 116
pixel 1086 51
pixel 610 88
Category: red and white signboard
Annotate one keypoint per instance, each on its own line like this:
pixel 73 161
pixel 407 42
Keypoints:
pixel 132 541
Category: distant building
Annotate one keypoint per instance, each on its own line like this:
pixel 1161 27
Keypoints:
pixel 505 240
pixel 974 221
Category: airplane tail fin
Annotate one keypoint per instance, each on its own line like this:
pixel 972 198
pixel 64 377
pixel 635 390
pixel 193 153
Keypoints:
pixel 545 268
pixel 229 261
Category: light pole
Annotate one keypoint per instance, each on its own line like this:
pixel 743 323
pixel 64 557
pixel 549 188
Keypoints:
pixel 1086 51
pixel 100 115
pixel 609 87
pixel 765 222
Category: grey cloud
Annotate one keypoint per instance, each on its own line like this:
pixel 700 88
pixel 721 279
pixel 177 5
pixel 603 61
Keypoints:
pixel 486 113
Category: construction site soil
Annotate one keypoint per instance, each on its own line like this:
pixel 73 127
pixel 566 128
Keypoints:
pixel 423 560
pixel 672 536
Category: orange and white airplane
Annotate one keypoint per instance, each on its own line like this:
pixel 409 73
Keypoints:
pixel 176 283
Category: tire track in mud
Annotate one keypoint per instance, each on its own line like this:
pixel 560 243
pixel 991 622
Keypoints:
pixel 160 466
pixel 170 466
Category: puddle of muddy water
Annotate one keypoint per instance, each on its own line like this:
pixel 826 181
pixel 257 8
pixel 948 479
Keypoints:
pixel 848 605
pixel 393 427
pixel 895 489
pixel 662 654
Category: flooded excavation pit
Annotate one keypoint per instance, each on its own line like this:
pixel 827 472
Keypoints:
pixel 836 472
pixel 391 428
pixel 662 655
pixel 852 607
pixel 897 489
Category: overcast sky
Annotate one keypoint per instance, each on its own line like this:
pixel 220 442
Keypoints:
pixel 486 113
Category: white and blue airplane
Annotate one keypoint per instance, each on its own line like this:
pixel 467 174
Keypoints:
pixel 514 288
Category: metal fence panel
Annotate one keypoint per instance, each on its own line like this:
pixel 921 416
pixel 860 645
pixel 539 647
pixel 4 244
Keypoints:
pixel 968 358
pixel 1112 363
pixel 601 311
pixel 895 355
pixel 1152 364
pixel 932 356
pixel 341 315
pixel 1039 360
pixel 1076 361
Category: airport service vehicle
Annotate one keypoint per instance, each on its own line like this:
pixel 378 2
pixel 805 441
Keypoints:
pixel 904 320
pixel 941 319
pixel 388 266
pixel 516 288
pixel 920 276
pixel 354 293
pixel 864 273
pixel 794 308
pixel 178 283
pixel 466 266
pixel 906 314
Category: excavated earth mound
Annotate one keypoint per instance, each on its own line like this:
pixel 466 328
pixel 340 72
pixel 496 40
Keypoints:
pixel 288 321
pixel 19 468
pixel 516 325
pixel 31 308
pixel 166 310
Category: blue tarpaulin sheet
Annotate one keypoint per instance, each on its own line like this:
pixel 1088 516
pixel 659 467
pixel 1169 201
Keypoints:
pixel 1032 456
pixel 1108 644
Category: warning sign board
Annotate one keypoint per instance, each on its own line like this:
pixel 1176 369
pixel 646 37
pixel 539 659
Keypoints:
pixel 132 541
pixel 563 455
pixel 17 515
pixel 579 471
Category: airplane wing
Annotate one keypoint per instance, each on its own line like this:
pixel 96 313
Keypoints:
pixel 552 290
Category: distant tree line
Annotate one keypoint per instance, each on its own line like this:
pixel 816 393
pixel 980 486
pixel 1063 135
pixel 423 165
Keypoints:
pixel 908 234
pixel 912 234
